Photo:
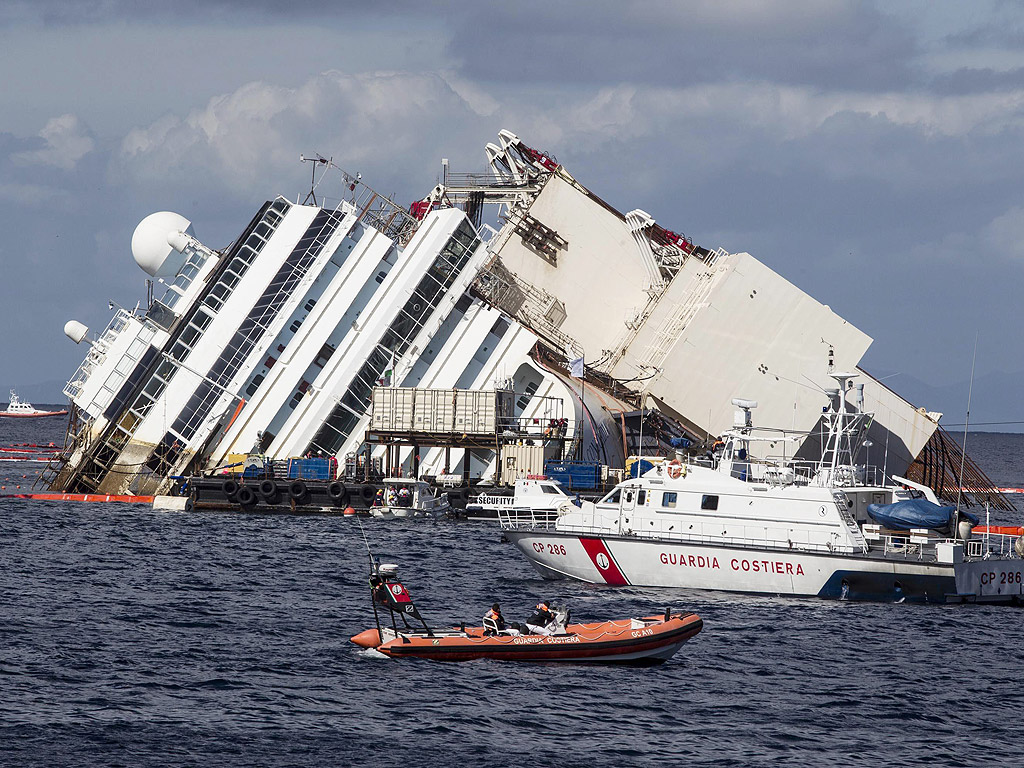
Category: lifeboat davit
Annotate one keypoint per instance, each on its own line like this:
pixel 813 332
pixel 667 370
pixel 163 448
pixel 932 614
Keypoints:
pixel 648 640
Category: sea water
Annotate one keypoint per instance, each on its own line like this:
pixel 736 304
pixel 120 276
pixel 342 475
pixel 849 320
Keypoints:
pixel 140 638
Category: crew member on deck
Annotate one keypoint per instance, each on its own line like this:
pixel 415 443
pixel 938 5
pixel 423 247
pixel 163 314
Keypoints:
pixel 494 615
pixel 541 619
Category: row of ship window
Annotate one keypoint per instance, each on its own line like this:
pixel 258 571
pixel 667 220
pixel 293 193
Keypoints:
pixel 669 499
pixel 396 340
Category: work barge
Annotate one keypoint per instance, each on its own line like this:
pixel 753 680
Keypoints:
pixel 506 321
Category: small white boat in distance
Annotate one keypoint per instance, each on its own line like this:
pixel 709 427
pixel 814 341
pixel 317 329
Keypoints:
pixel 532 498
pixel 407 497
pixel 19 409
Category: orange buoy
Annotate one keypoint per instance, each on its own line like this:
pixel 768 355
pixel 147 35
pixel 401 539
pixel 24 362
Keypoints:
pixel 349 511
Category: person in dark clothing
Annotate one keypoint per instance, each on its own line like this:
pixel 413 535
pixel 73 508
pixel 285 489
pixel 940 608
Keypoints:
pixel 494 615
pixel 541 619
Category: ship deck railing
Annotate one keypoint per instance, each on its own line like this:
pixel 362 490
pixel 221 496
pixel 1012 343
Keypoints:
pixel 985 546
pixel 782 471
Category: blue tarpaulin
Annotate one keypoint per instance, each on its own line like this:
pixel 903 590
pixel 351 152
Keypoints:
pixel 915 513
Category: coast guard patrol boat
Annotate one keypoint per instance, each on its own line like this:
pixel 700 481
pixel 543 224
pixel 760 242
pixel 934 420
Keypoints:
pixel 778 525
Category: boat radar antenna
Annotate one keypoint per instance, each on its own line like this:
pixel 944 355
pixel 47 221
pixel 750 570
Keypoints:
pixel 746 406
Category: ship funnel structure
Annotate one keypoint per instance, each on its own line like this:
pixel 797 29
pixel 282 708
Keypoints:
pixel 75 331
pixel 158 242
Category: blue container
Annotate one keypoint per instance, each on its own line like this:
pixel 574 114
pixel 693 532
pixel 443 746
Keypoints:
pixel 575 475
pixel 311 469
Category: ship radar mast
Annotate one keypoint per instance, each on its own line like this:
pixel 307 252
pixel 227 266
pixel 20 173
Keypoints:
pixel 844 426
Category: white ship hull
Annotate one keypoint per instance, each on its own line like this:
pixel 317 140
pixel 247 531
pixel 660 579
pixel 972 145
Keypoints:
pixel 628 560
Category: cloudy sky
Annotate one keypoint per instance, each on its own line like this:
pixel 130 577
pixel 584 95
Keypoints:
pixel 871 153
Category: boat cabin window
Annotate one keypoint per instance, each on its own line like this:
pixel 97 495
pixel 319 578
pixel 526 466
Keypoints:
pixel 629 496
pixel 641 497
pixel 549 489
pixel 669 499
pixel 709 502
pixel 611 498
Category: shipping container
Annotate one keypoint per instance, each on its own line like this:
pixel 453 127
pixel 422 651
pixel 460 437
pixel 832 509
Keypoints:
pixel 521 461
pixel 435 410
pixel 575 475
pixel 393 409
pixel 317 468
pixel 475 412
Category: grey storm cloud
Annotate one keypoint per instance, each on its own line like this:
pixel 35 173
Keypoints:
pixel 814 43
pixel 838 43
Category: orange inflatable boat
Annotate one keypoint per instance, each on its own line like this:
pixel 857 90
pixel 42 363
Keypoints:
pixel 650 640
pixel 647 640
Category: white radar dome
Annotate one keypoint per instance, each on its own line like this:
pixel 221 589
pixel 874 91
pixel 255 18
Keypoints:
pixel 151 243
pixel 75 330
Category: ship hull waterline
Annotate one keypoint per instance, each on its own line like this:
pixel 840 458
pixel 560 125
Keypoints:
pixel 628 560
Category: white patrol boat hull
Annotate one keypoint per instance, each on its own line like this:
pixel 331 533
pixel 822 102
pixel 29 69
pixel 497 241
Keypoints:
pixel 631 560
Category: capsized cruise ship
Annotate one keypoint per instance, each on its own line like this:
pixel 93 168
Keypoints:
pixel 577 315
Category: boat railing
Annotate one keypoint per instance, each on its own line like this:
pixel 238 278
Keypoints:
pixel 781 471
pixel 987 545
pixel 922 545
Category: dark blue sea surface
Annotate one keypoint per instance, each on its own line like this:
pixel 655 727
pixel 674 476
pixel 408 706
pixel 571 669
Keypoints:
pixel 130 637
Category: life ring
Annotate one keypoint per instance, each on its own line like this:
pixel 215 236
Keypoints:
pixel 674 470
pixel 338 493
pixel 246 497
pixel 270 492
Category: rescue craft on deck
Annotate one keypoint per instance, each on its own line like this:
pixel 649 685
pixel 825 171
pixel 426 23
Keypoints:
pixel 646 641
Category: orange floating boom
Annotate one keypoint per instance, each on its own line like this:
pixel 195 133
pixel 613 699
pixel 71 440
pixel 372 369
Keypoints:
pixel 79 497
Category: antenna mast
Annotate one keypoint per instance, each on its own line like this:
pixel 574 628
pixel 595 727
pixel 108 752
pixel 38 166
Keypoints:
pixel 967 421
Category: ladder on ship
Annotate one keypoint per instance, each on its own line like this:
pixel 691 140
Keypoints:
pixel 843 505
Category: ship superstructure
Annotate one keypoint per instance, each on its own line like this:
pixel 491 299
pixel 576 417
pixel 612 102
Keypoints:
pixel 275 344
